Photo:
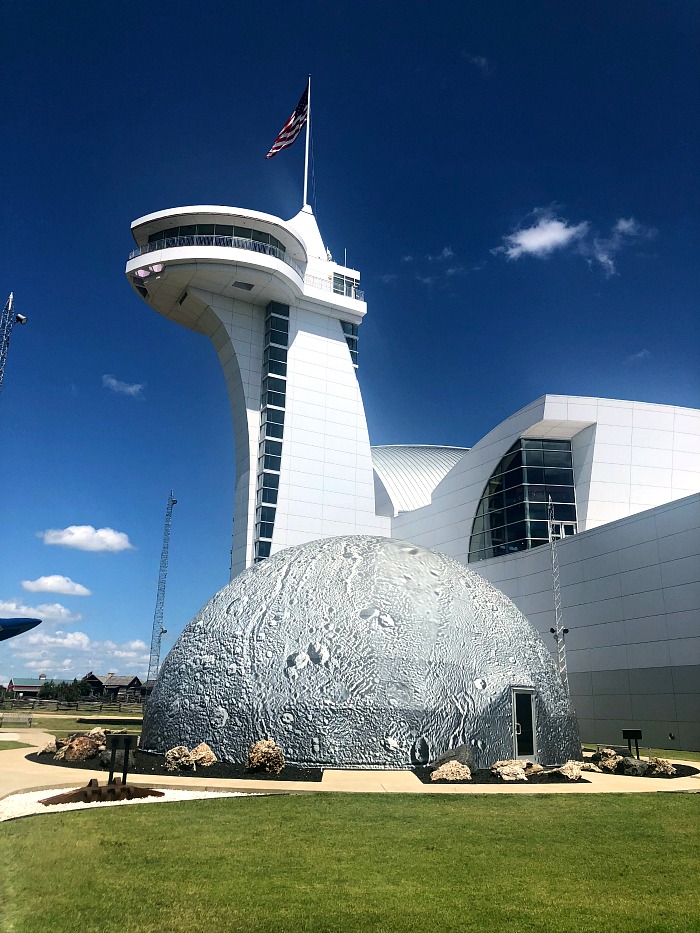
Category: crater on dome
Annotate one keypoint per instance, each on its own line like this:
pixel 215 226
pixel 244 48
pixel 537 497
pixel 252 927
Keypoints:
pixel 359 651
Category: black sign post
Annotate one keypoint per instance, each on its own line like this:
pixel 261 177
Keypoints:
pixel 124 743
pixel 630 734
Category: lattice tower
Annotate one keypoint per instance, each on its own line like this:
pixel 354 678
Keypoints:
pixel 8 319
pixel 559 632
pixel 158 630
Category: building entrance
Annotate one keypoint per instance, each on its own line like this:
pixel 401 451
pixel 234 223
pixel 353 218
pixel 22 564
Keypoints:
pixel 524 742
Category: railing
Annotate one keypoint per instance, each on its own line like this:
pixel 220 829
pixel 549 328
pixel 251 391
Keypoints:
pixel 326 285
pixel 235 242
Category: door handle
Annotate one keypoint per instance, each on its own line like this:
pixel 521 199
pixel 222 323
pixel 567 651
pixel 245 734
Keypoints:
pixel 518 729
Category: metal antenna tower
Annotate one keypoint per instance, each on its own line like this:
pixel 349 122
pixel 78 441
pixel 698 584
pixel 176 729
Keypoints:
pixel 559 632
pixel 158 630
pixel 8 319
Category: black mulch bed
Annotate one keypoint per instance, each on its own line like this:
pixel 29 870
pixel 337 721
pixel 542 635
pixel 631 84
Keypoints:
pixel 147 763
pixel 486 776
pixel 543 777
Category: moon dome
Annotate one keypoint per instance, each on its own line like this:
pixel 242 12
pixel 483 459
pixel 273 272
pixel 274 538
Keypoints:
pixel 359 651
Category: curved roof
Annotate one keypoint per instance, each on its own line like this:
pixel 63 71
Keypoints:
pixel 410 472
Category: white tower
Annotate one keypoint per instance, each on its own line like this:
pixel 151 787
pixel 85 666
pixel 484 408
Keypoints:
pixel 283 318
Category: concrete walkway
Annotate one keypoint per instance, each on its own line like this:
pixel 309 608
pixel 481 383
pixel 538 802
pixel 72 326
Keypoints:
pixel 17 774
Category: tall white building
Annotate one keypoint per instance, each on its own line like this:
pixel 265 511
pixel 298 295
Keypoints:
pixel 284 319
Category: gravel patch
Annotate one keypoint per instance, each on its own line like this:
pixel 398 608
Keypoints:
pixel 17 805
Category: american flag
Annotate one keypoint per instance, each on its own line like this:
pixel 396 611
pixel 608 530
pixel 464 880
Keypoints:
pixel 292 127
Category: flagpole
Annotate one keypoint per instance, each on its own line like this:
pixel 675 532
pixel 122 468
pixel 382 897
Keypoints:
pixel 306 156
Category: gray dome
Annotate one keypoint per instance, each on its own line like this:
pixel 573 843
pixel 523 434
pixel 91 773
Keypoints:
pixel 358 652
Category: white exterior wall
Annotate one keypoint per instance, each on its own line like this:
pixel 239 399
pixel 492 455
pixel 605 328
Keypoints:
pixel 326 479
pixel 630 594
pixel 627 457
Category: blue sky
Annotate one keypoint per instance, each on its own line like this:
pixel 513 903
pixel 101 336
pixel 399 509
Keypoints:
pixel 517 184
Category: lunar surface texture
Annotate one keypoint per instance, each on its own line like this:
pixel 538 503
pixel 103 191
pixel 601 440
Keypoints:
pixel 359 652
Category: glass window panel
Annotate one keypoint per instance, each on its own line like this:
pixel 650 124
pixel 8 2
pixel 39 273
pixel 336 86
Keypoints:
pixel 275 353
pixel 264 529
pixel 496 502
pixel 514 495
pixel 272 463
pixel 273 430
pixel 516 531
pixel 534 457
pixel 538 542
pixel 556 445
pixel 223 230
pixel 537 493
pixel 513 478
pixel 270 480
pixel 266 514
pixel 263 549
pixel 565 513
pixel 274 384
pixel 278 337
pixel 555 477
pixel 538 510
pixel 515 513
pixel 268 496
pixel 279 369
pixel 534 475
pixel 275 322
pixel 495 485
pixel 557 458
pixel 354 357
pixel 478 525
pixel 273 447
pixel 531 443
pixel 517 546
pixel 274 398
pixel 154 237
pixel 260 236
pixel 539 530
pixel 171 232
pixel 498 534
pixel 511 461
pixel 273 414
pixel 243 232
pixel 561 493
pixel 274 307
pixel 205 229
pixel 188 230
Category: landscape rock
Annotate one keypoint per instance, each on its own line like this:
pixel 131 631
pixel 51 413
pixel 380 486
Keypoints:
pixel 634 767
pixel 48 749
pixel 97 734
pixel 590 766
pixel 178 758
pixel 452 771
pixel 607 759
pixel 81 748
pixel 571 770
pixel 202 755
pixel 661 766
pixel 531 767
pixel 106 759
pixel 510 769
pixel 265 755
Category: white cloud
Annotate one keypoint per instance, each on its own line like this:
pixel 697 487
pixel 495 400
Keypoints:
pixel 56 584
pixel 73 654
pixel 479 61
pixel 407 259
pixel 388 278
pixel 134 389
pixel 47 612
pixel 425 279
pixel 639 356
pixel 87 538
pixel 548 234
pixel 445 253
pixel 604 249
pixel 552 233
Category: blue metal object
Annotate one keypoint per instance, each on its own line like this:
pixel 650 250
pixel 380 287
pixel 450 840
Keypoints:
pixel 11 627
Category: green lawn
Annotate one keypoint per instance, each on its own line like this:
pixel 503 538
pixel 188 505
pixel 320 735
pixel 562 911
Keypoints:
pixel 352 863
pixel 4 746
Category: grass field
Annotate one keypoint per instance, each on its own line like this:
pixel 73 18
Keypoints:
pixel 5 745
pixel 612 863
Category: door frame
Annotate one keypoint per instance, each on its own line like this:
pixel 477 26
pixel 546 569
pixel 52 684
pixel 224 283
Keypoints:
pixel 531 692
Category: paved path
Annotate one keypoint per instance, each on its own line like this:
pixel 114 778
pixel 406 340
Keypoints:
pixel 18 774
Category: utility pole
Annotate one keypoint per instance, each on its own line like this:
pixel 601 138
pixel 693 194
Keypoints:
pixel 158 630
pixel 8 319
pixel 559 632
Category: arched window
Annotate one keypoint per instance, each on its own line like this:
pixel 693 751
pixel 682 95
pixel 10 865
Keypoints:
pixel 512 513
